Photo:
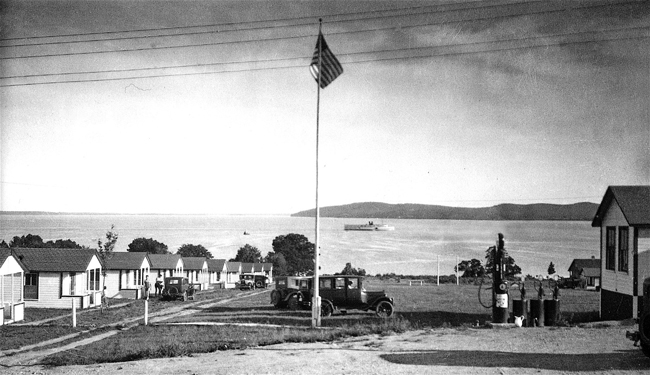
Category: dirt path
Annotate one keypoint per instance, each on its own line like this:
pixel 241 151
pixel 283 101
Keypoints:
pixel 549 350
pixel 448 351
pixel 28 356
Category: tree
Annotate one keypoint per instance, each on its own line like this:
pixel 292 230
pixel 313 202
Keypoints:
pixel 551 268
pixel 248 254
pixel 471 268
pixel 28 241
pixel 349 270
pixel 147 245
pixel 105 252
pixel 297 251
pixel 36 242
pixel 511 269
pixel 278 261
pixel 188 250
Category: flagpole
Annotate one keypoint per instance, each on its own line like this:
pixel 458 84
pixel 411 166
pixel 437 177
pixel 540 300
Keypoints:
pixel 315 311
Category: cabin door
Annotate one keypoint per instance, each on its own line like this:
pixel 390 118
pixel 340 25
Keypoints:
pixel 31 286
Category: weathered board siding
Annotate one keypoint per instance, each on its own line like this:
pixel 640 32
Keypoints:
pixel 614 280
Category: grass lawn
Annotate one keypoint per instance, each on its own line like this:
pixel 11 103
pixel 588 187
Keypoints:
pixel 416 307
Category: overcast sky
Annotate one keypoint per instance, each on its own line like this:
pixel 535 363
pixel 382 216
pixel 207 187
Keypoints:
pixel 469 104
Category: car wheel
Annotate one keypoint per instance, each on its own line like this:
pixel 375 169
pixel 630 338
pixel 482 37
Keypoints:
pixel 384 309
pixel 325 310
pixel 258 284
pixel 275 298
pixel 172 291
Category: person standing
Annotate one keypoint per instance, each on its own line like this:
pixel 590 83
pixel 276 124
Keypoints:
pixel 147 285
pixel 159 284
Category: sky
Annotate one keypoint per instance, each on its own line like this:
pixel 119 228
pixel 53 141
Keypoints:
pixel 464 103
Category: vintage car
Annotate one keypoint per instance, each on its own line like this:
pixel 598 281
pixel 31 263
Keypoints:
pixel 288 286
pixel 338 293
pixel 177 288
pixel 252 281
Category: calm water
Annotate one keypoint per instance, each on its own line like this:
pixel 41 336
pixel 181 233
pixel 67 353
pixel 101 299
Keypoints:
pixel 415 247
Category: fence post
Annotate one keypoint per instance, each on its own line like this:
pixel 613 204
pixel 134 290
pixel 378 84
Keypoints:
pixel 146 312
pixel 74 313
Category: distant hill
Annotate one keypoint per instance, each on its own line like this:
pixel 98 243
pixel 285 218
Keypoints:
pixel 584 211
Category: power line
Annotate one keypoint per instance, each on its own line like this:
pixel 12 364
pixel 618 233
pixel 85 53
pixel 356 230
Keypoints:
pixel 251 22
pixel 521 39
pixel 503 49
pixel 140 49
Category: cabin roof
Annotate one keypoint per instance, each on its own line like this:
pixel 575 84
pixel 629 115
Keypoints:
pixel 194 263
pixel 6 253
pixel 164 261
pixel 216 265
pixel 634 202
pixel 233 266
pixel 126 260
pixel 590 267
pixel 55 260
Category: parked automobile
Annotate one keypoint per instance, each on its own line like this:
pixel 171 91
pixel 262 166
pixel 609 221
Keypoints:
pixel 177 288
pixel 252 281
pixel 568 283
pixel 337 292
pixel 288 286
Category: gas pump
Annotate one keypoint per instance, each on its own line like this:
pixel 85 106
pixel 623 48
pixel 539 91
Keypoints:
pixel 500 285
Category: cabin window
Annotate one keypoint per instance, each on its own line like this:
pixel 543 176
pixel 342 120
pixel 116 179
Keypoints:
pixel 623 248
pixel 93 279
pixel 138 277
pixel 353 283
pixel 610 247
pixel 73 283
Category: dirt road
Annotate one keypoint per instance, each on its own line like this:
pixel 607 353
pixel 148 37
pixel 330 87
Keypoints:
pixel 448 351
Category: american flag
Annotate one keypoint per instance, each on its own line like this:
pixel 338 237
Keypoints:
pixel 330 66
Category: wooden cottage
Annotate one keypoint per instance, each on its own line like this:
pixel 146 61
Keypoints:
pixel 588 271
pixel 196 270
pixel 217 272
pixel 57 278
pixel 233 270
pixel 624 220
pixel 126 273
pixel 12 304
pixel 166 265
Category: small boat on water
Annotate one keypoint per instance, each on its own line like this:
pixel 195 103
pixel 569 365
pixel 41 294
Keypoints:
pixel 368 227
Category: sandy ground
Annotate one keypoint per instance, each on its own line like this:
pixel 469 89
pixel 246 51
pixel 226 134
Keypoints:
pixel 450 351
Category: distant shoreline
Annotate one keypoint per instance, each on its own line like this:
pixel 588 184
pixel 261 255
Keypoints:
pixel 46 213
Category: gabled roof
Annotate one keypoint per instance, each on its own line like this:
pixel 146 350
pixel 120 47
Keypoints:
pixel 164 261
pixel 588 265
pixel 233 266
pixel 258 267
pixel 126 260
pixel 55 260
pixel 247 267
pixel 634 202
pixel 267 266
pixel 6 253
pixel 194 263
pixel 216 265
